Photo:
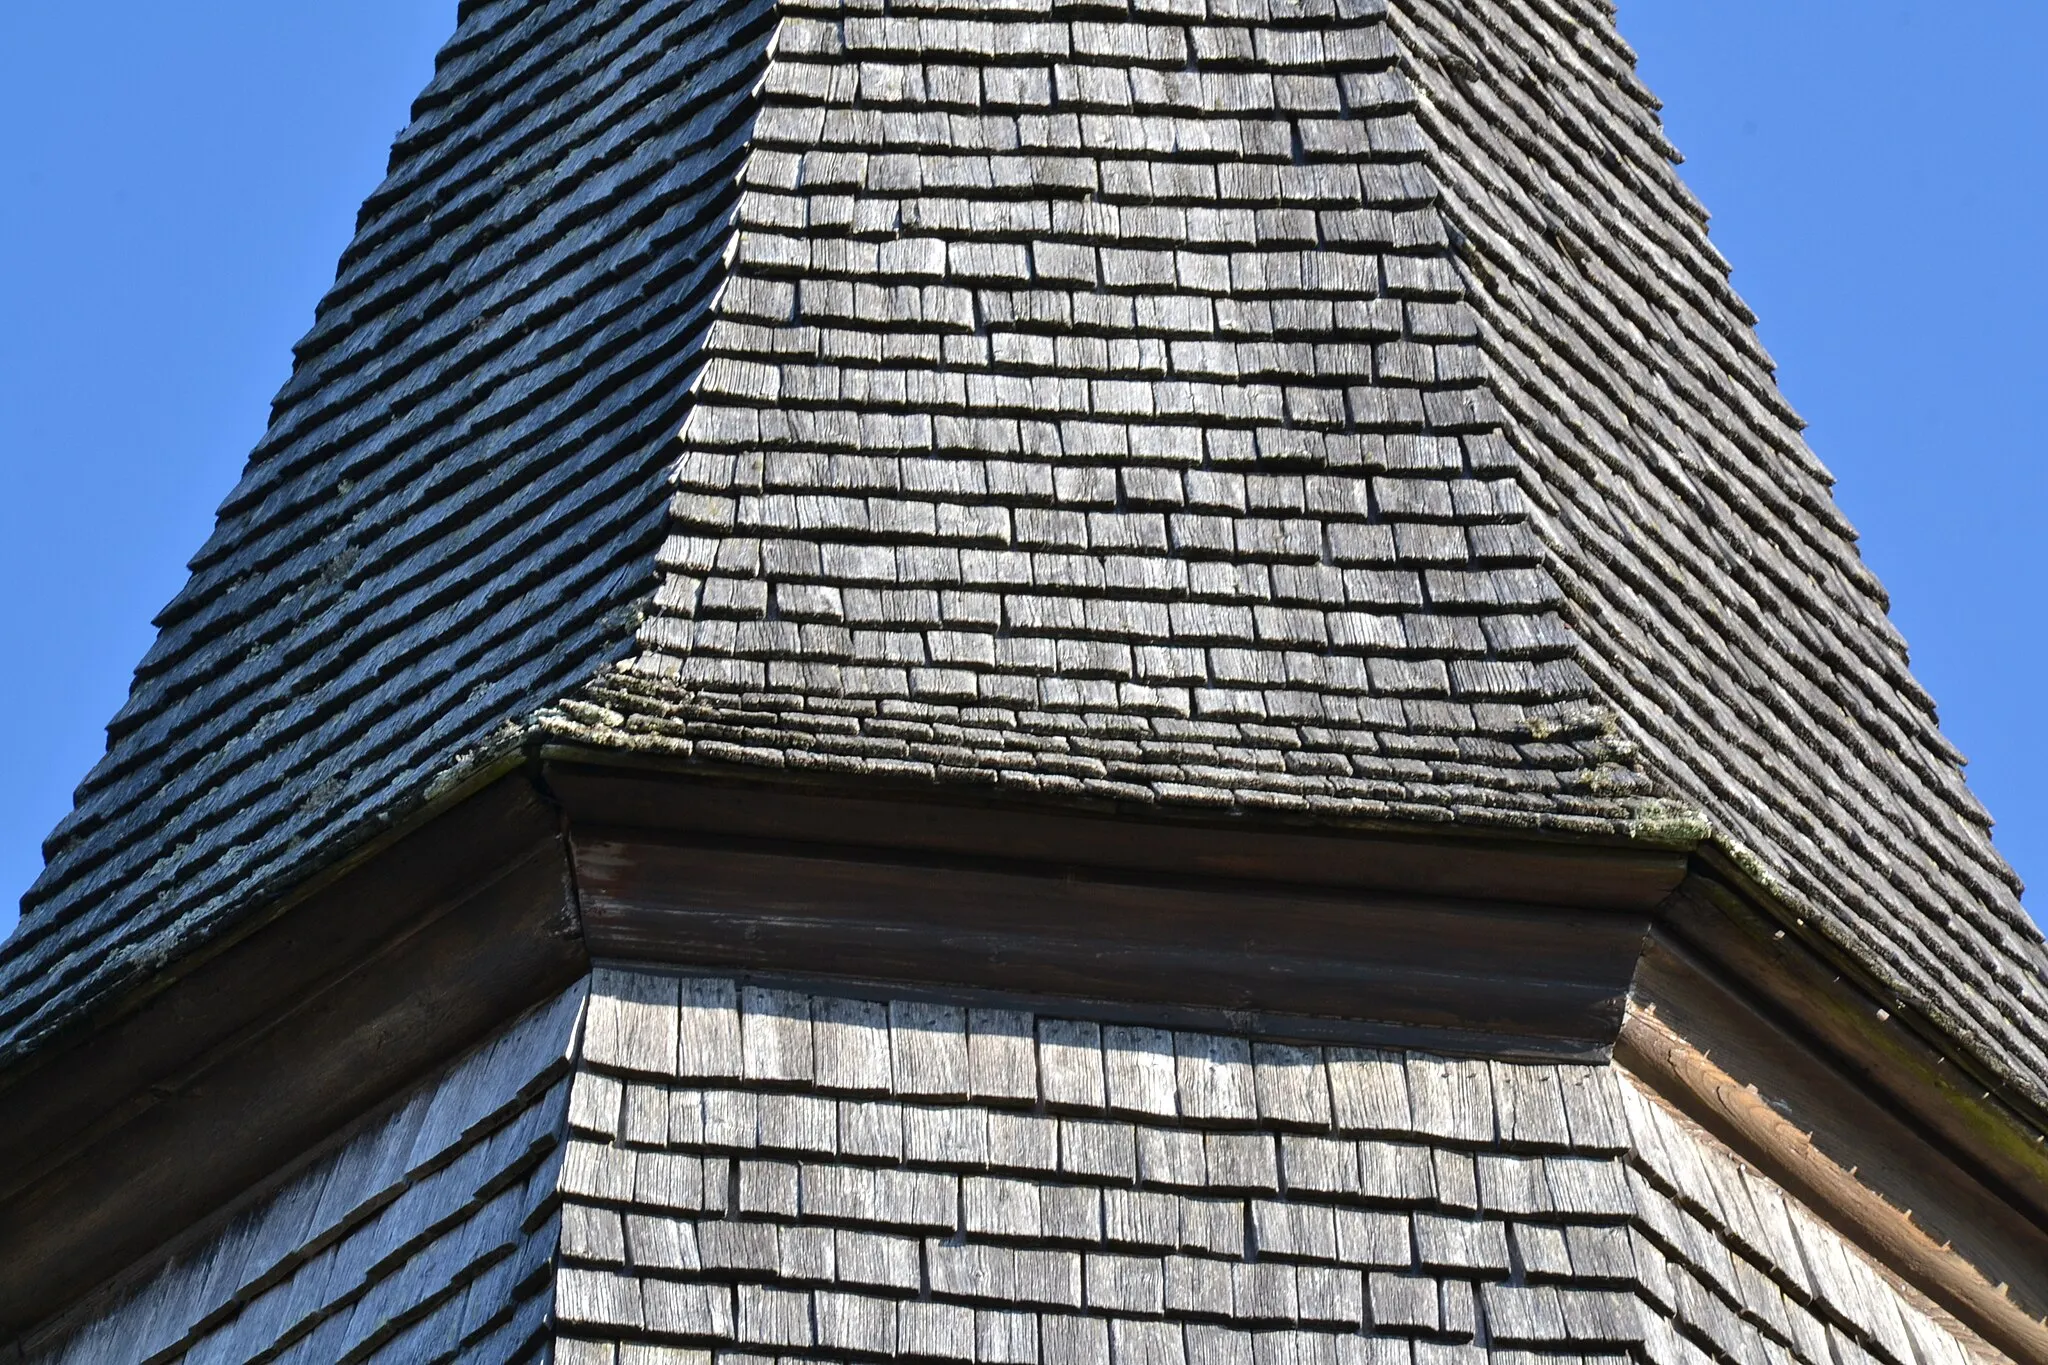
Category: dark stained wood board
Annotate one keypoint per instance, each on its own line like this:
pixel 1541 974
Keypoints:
pixel 1870 1094
pixel 1554 978
pixel 1745 978
pixel 270 1046
pixel 1576 874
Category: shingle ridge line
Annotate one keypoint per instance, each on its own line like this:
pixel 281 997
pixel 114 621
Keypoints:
pixel 1909 727
pixel 1718 290
pixel 389 471
pixel 1648 328
pixel 1887 663
pixel 288 429
pixel 225 635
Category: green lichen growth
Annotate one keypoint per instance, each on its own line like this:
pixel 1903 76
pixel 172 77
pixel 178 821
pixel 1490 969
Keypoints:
pixel 1668 824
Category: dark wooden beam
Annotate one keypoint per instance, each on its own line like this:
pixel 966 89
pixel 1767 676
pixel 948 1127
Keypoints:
pixel 1579 874
pixel 1739 1115
pixel 1933 1147
pixel 1464 945
pixel 243 1060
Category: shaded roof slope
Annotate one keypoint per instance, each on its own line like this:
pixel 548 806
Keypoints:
pixel 458 492
pixel 1250 404
pixel 1717 589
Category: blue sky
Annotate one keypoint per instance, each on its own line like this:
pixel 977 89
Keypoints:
pixel 181 179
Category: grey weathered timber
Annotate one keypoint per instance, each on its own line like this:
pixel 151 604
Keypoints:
pixel 502 1212
pixel 430 1234
pixel 1289 412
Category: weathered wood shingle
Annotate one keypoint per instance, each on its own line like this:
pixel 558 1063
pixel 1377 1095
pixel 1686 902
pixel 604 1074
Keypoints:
pixel 489 1218
pixel 1093 403
pixel 1325 406
pixel 1644 1244
pixel 457 496
pixel 430 1235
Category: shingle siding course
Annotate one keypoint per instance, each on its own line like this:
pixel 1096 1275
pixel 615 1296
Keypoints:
pixel 493 1217
pixel 1223 404
pixel 1478 1219
pixel 429 1236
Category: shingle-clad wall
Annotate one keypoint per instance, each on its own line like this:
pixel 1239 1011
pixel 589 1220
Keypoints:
pixel 657 1168
pixel 1725 610
pixel 771 1174
pixel 1092 403
pixel 430 1235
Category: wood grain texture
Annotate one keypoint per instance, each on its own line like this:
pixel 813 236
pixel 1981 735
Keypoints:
pixel 1186 1228
pixel 263 1050
pixel 1871 1087
pixel 1552 977
pixel 1778 1147
pixel 636 793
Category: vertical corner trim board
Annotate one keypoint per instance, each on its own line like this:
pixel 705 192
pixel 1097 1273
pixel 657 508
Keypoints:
pixel 658 1167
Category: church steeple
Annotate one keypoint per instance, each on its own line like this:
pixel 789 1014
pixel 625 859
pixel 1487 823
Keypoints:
pixel 1253 523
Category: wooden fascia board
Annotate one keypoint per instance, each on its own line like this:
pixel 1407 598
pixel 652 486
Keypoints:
pixel 1740 1013
pixel 1786 1153
pixel 263 1048
pixel 1462 945
pixel 1829 1010
pixel 597 789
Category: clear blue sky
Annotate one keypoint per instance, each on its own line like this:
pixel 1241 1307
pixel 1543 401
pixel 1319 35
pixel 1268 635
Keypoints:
pixel 181 178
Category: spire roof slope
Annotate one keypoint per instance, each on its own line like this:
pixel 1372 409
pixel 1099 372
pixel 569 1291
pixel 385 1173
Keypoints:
pixel 1716 589
pixel 1114 423
pixel 458 497
pixel 1260 405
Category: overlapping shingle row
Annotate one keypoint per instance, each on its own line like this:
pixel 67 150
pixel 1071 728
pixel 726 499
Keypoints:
pixel 1717 589
pixel 428 1236
pixel 1092 401
pixel 764 1173
pixel 457 499
pixel 655 1170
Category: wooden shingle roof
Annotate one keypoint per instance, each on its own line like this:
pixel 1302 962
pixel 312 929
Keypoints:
pixel 1306 408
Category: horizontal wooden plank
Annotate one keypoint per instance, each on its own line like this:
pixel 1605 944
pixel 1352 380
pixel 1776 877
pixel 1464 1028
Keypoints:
pixel 1956 1276
pixel 1482 968
pixel 1866 1091
pixel 1579 874
pixel 246 1061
